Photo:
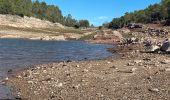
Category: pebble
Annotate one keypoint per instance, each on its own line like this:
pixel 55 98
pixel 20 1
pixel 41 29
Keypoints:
pixel 60 85
pixel 130 64
pixel 19 76
pixel 154 90
pixel 134 69
pixel 114 67
pixel 137 61
pixel 6 78
pixel 109 62
pixel 165 62
pixel 77 66
pixel 168 69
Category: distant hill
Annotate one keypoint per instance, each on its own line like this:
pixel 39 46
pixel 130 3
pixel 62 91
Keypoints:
pixel 39 10
pixel 156 13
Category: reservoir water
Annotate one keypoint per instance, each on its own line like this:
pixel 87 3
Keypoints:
pixel 16 54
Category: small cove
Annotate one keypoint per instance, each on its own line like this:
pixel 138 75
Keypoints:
pixel 17 54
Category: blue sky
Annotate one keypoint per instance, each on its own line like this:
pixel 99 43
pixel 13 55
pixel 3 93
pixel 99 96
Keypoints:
pixel 99 11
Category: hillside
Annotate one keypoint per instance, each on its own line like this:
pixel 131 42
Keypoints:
pixel 40 10
pixel 13 26
pixel 157 14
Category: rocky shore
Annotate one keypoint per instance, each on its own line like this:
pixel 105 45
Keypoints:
pixel 134 76
pixel 142 72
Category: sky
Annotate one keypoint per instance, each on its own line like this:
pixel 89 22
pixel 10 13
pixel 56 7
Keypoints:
pixel 99 11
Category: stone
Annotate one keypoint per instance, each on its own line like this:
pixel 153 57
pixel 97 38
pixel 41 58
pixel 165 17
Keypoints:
pixel 152 48
pixel 69 61
pixel 10 71
pixel 134 69
pixel 165 47
pixel 137 61
pixel 6 78
pixel 153 90
pixel 60 85
pixel 130 64
pixel 77 66
pixel 165 61
pixel 125 71
pixel 167 69
pixel 114 67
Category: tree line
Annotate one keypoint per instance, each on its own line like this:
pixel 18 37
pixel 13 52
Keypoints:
pixel 39 10
pixel 152 14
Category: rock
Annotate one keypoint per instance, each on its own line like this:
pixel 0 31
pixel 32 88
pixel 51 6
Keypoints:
pixel 154 90
pixel 165 62
pixel 69 61
pixel 165 47
pixel 77 66
pixel 109 62
pixel 114 67
pixel 134 69
pixel 19 76
pixel 10 71
pixel 108 34
pixel 6 79
pixel 149 78
pixel 124 30
pixel 130 64
pixel 147 59
pixel 137 61
pixel 18 98
pixel 30 82
pixel 168 69
pixel 125 71
pixel 152 48
pixel 60 85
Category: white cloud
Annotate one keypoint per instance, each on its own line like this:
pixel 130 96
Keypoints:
pixel 102 17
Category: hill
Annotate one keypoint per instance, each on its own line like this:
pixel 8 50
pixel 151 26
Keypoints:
pixel 157 13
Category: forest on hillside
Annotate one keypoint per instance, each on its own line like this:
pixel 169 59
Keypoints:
pixel 39 10
pixel 156 13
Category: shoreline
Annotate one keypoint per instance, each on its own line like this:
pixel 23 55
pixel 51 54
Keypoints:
pixel 13 72
pixel 97 79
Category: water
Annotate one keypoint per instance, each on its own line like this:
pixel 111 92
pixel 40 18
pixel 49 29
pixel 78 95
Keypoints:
pixel 16 54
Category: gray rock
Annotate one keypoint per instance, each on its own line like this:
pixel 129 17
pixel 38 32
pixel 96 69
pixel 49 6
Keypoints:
pixel 165 47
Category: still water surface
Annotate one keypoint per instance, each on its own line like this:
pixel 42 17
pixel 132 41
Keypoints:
pixel 16 54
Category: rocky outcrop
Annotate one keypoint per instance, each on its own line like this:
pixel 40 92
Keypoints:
pixel 26 22
pixel 115 36
pixel 135 25
pixel 155 31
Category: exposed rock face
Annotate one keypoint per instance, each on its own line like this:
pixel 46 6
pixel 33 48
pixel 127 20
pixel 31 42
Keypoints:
pixel 108 35
pixel 26 22
pixel 124 30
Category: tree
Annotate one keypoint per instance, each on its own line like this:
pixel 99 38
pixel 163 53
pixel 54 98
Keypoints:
pixel 84 23
pixel 156 12
pixel 6 7
pixel 39 10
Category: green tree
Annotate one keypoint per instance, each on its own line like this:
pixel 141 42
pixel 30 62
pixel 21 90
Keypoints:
pixel 84 23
